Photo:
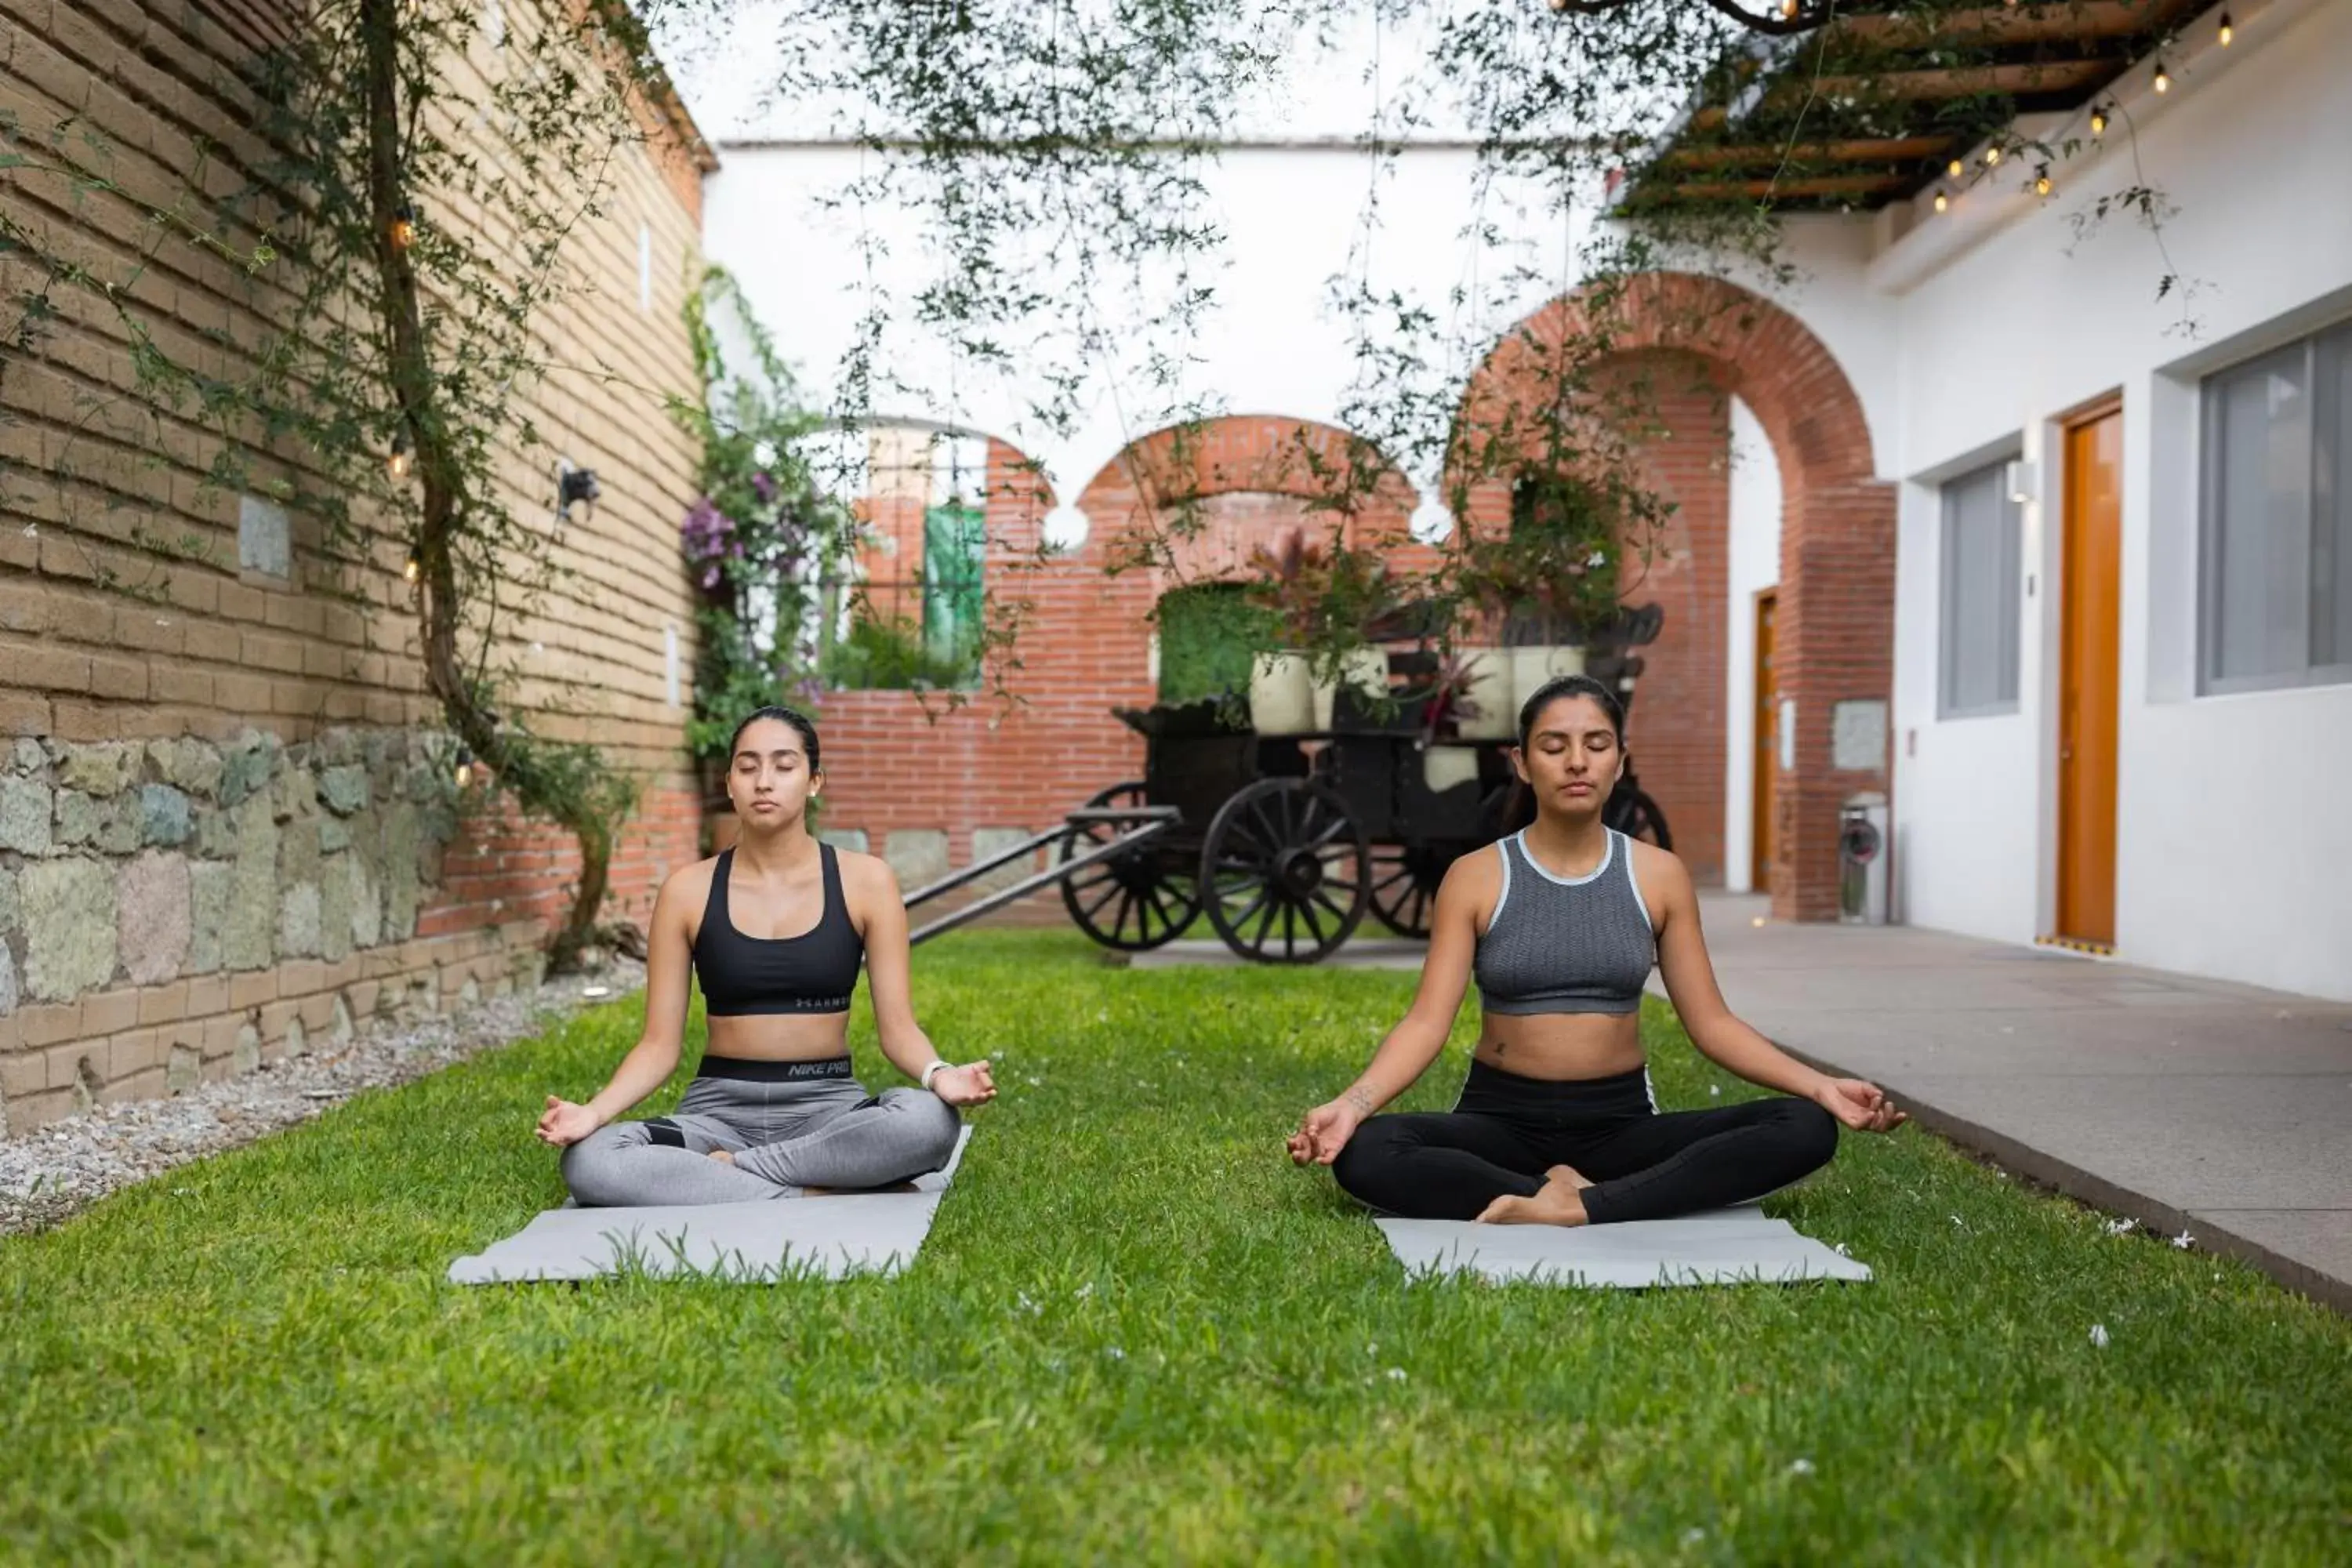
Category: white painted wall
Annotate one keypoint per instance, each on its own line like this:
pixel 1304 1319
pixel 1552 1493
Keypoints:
pixel 1755 545
pixel 2234 813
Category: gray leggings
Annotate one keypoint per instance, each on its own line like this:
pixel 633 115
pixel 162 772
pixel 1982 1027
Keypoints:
pixel 803 1132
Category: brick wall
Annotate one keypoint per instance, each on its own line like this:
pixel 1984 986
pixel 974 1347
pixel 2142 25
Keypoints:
pixel 931 791
pixel 129 612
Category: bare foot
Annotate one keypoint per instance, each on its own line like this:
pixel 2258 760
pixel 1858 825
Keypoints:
pixel 1555 1203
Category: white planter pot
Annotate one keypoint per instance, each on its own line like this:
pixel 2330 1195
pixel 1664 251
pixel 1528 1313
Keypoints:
pixel 1281 694
pixel 1366 669
pixel 1444 767
pixel 1488 690
pixel 1531 667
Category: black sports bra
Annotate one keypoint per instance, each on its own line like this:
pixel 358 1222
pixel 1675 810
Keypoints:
pixel 746 975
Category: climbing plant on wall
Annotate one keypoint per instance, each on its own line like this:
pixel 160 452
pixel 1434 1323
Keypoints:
pixel 395 209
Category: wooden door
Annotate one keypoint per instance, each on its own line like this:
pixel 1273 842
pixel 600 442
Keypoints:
pixel 1764 789
pixel 2090 618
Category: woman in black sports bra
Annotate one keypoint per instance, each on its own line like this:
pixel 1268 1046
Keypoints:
pixel 775 929
pixel 1560 924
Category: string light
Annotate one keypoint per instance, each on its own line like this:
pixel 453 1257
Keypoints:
pixel 2099 123
pixel 1788 11
pixel 2228 32
pixel 1955 168
pixel 1992 155
pixel 1942 201
pixel 396 463
pixel 414 568
pixel 2041 183
pixel 465 768
pixel 2163 77
pixel 404 228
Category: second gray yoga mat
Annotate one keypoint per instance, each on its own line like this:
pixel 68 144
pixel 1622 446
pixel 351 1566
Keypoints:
pixel 1722 1248
pixel 830 1237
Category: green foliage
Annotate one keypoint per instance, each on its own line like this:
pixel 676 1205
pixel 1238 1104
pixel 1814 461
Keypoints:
pixel 1209 635
pixel 891 654
pixel 764 539
pixel 1135 1335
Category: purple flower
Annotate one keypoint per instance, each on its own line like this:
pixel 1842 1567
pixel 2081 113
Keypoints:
pixel 763 487
pixel 706 531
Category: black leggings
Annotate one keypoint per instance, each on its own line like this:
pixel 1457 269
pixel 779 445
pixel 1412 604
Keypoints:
pixel 1506 1131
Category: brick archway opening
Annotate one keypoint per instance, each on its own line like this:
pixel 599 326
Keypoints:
pixel 1696 342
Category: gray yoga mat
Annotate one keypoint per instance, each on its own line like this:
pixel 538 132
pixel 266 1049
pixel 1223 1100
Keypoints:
pixel 1725 1247
pixel 756 1243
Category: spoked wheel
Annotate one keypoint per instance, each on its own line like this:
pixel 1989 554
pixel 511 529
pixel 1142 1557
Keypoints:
pixel 1135 899
pixel 1633 814
pixel 1285 871
pixel 1404 886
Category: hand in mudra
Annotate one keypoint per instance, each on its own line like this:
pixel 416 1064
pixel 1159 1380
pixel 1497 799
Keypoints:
pixel 1861 1105
pixel 563 1124
pixel 1323 1132
pixel 967 1085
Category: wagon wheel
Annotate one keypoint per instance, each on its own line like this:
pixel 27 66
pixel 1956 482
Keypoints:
pixel 1405 886
pixel 1285 871
pixel 1136 898
pixel 1633 813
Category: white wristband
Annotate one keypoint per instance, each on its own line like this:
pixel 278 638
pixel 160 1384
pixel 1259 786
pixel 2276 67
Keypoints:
pixel 936 1067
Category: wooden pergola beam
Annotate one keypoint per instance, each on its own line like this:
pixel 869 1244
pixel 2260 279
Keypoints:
pixel 1811 185
pixel 2076 20
pixel 1878 150
pixel 1924 86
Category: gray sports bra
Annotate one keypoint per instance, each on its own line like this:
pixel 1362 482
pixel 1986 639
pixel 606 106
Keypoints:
pixel 1566 944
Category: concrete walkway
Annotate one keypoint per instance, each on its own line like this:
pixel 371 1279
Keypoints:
pixel 2188 1104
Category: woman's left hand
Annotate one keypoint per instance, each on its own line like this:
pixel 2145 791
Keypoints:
pixel 967 1085
pixel 1860 1105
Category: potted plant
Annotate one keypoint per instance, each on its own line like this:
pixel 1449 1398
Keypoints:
pixel 1464 702
pixel 1359 596
pixel 1290 585
pixel 1548 581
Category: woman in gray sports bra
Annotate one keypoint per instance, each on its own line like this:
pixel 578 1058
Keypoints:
pixel 1560 923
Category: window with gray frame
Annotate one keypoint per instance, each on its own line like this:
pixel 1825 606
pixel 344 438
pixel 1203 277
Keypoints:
pixel 1981 566
pixel 2275 588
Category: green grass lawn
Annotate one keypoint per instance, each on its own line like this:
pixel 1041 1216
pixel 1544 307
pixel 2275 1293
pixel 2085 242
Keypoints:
pixel 1137 1333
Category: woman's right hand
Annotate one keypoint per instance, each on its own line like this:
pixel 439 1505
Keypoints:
pixel 563 1124
pixel 1324 1131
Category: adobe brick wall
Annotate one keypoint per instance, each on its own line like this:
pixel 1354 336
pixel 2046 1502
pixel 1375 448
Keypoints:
pixel 1836 613
pixel 126 617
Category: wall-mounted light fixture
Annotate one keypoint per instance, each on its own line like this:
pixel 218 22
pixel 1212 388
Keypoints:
pixel 572 486
pixel 2019 477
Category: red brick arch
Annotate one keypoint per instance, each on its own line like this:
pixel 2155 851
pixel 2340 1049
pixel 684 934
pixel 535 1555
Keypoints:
pixel 1836 596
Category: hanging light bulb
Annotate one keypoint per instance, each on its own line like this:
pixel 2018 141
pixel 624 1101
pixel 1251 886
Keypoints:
pixel 1992 155
pixel 465 768
pixel 1942 201
pixel 2228 32
pixel 2163 77
pixel 2041 183
pixel 403 227
pixel 414 568
pixel 396 462
pixel 1956 168
pixel 2098 123
pixel 1788 10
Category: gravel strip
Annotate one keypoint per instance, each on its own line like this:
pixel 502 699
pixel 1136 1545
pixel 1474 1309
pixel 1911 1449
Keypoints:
pixel 55 1172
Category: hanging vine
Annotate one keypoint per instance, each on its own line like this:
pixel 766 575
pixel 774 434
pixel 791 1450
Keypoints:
pixel 396 215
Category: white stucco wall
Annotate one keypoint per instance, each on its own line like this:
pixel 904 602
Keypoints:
pixel 2234 813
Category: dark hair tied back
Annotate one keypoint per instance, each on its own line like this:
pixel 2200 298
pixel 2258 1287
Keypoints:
pixel 799 721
